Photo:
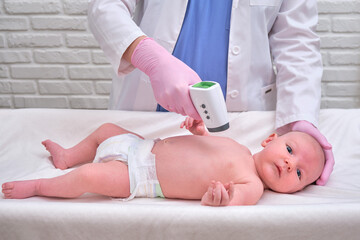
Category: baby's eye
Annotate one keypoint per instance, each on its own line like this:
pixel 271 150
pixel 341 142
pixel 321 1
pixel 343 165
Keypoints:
pixel 289 149
pixel 298 173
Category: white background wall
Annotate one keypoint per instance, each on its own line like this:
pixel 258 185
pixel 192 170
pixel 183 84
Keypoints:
pixel 49 58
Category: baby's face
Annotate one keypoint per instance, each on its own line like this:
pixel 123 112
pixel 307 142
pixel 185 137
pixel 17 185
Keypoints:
pixel 290 162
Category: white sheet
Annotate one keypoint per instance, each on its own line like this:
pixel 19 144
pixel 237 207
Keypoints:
pixel 329 212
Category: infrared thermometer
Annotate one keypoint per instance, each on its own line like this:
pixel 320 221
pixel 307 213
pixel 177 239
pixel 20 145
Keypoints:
pixel 209 102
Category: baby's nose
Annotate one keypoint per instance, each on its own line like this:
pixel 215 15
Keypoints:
pixel 289 165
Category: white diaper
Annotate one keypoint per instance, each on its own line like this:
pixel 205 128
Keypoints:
pixel 136 153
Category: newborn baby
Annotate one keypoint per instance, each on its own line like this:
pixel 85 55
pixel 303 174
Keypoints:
pixel 216 170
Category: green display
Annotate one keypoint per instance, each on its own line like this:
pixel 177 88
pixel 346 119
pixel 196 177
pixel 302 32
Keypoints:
pixel 204 84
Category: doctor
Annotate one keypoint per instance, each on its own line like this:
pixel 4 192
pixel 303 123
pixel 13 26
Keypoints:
pixel 264 53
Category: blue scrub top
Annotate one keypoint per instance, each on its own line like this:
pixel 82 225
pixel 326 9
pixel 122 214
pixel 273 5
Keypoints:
pixel 204 40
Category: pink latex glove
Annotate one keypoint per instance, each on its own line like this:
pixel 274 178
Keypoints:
pixel 170 78
pixel 306 127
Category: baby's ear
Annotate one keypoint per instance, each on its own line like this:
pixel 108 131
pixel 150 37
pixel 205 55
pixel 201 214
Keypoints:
pixel 269 139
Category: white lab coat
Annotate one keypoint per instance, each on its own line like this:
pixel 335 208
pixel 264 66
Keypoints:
pixel 262 32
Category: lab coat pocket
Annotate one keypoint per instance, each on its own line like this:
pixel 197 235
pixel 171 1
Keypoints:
pixel 265 2
pixel 268 94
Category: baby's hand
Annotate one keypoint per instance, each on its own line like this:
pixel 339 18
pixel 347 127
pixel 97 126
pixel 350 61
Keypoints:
pixel 196 127
pixel 218 194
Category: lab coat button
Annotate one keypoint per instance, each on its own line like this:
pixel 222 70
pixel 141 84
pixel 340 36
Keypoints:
pixel 234 93
pixel 236 50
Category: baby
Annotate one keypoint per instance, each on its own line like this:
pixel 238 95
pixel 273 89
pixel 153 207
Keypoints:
pixel 217 170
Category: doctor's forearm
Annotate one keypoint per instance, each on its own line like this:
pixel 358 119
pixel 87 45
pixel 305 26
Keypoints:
pixel 129 51
pixel 296 52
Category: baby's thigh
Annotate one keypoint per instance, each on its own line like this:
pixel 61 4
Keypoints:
pixel 108 130
pixel 110 178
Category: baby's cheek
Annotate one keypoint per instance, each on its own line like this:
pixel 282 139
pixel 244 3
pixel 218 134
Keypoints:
pixel 269 175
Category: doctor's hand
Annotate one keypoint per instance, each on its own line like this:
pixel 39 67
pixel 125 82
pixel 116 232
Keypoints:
pixel 218 194
pixel 170 78
pixel 196 127
pixel 306 127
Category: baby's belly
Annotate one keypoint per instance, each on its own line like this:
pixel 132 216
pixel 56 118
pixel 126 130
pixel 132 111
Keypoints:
pixel 185 170
pixel 179 181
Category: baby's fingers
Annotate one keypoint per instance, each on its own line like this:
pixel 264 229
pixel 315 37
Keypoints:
pixel 217 192
pixel 208 197
pixel 225 199
pixel 189 122
pixel 231 190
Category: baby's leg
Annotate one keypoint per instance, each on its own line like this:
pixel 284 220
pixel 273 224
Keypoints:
pixel 84 151
pixel 110 179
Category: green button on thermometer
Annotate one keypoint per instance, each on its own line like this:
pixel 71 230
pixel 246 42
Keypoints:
pixel 209 101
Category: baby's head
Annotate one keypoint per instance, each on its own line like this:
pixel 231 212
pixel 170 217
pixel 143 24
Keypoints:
pixel 290 162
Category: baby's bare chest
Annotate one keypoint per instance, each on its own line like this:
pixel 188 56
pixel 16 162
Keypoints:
pixel 195 159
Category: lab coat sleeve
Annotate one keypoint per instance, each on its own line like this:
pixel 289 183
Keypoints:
pixel 295 47
pixel 112 25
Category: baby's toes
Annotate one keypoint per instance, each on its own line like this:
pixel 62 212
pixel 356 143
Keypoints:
pixel 8 186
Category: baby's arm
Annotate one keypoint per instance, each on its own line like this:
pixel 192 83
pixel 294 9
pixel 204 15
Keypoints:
pixel 219 194
pixel 247 193
pixel 196 127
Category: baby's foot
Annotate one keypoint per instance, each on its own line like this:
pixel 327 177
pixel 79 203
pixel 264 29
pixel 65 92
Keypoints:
pixel 20 189
pixel 57 153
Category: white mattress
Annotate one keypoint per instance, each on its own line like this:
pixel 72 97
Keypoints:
pixel 318 212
